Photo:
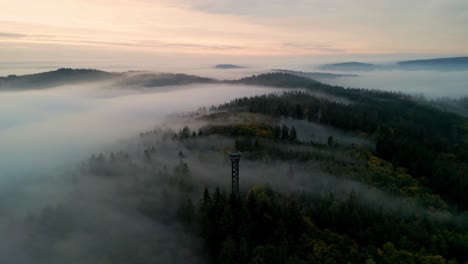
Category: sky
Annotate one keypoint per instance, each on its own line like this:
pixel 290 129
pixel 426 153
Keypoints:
pixel 168 30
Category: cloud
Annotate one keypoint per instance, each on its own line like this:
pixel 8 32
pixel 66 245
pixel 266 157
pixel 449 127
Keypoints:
pixel 150 44
pixel 322 48
pixel 137 43
pixel 240 27
pixel 11 35
pixel 265 8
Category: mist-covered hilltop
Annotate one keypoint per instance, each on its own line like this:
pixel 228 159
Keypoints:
pixel 228 66
pixel 136 79
pixel 66 76
pixel 59 77
pixel 440 64
pixel 316 75
pixel 149 80
pixel 349 66
pixel 447 64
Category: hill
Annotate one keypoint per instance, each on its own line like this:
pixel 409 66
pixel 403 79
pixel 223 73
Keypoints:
pixel 162 79
pixel 228 66
pixel 455 63
pixel 316 75
pixel 53 78
pixel 74 76
pixel 439 64
pixel 350 66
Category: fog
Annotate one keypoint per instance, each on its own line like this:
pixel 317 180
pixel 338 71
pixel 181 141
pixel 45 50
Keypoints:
pixel 54 212
pixel 47 128
pixel 58 205
pixel 430 84
pixel 309 131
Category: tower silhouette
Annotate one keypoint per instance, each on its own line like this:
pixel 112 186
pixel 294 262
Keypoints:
pixel 235 158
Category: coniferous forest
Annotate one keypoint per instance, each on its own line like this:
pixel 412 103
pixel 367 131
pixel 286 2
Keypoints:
pixel 418 155
pixel 327 175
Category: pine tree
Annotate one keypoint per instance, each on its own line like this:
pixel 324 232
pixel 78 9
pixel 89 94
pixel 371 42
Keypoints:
pixel 277 133
pixel 284 133
pixel 293 134
pixel 299 113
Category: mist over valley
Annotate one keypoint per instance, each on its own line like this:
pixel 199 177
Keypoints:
pixel 233 132
pixel 134 150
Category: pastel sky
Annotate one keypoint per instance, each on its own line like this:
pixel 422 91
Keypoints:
pixel 79 29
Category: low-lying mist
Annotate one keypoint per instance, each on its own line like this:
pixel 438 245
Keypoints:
pixel 54 212
pixel 47 128
pixel 80 183
pixel 308 131
pixel 431 84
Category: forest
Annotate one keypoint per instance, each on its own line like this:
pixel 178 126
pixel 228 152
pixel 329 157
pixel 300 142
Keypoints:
pixel 420 152
pixel 431 144
pixel 327 175
pixel 419 156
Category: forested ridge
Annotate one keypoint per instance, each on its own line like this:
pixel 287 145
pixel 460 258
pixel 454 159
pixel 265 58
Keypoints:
pixel 55 78
pixel 420 153
pixel 431 144
pixel 264 225
pixel 417 171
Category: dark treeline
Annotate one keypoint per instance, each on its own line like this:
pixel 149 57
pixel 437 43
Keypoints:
pixel 458 106
pixel 286 80
pixel 266 227
pixel 430 143
pixel 164 79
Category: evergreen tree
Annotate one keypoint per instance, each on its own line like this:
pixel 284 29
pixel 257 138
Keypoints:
pixel 299 113
pixel 284 133
pixel 277 133
pixel 293 134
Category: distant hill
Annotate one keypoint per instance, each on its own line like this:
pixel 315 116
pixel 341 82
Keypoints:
pixel 440 64
pixel 162 79
pixel 350 66
pixel 276 79
pixel 316 75
pixel 455 63
pixel 74 76
pixel 228 66
pixel 53 78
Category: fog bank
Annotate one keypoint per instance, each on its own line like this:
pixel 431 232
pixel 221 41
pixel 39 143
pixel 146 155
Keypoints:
pixel 431 84
pixel 47 128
